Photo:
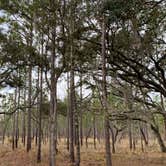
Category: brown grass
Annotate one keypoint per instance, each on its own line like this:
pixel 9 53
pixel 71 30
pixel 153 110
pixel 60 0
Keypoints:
pixel 89 157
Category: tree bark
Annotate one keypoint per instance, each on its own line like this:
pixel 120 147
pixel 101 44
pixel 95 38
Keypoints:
pixel 87 136
pixel 17 119
pixel 14 124
pixel 94 131
pixel 104 95
pixel 71 115
pixel 29 110
pixel 130 135
pixel 113 139
pixel 53 104
pixel 13 133
pixel 159 138
pixel 40 116
pixel 143 136
pixel 68 110
pixel 81 119
pixel 23 119
pixel 72 88
pixel 163 109
pixel 77 135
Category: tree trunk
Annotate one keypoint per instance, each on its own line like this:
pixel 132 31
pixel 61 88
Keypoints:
pixel 17 120
pixel 52 124
pixel 134 142
pixel 72 88
pixel 23 119
pixel 40 116
pixel 163 109
pixel 159 139
pixel 14 129
pixel 81 130
pixel 4 131
pixel 165 127
pixel 94 131
pixel 143 136
pixel 113 139
pixel 68 110
pixel 14 122
pixel 29 110
pixel 142 145
pixel 98 135
pixel 104 95
pixel 36 135
pixel 87 136
pixel 71 116
pixel 77 137
pixel 53 105
pixel 130 135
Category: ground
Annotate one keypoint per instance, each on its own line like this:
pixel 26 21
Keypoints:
pixel 89 156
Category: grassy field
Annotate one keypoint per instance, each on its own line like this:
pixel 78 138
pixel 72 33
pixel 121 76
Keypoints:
pixel 89 157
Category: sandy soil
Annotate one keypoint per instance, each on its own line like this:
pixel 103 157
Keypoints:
pixel 89 157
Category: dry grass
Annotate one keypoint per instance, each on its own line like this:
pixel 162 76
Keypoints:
pixel 89 157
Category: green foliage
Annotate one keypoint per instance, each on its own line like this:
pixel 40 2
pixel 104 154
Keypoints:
pixel 122 9
pixel 61 107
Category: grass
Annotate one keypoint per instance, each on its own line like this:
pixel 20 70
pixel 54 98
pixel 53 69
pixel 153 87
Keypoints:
pixel 89 156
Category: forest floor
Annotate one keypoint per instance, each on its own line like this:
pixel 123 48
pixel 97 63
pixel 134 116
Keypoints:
pixel 89 156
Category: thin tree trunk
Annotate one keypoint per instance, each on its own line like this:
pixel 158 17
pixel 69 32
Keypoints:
pixel 14 122
pixel 71 115
pixel 143 136
pixel 98 135
pixel 17 120
pixel 29 110
pixel 77 135
pixel 38 111
pixel 87 136
pixel 68 110
pixel 164 127
pixel 163 109
pixel 40 116
pixel 130 135
pixel 4 131
pixel 159 138
pixel 94 131
pixel 142 145
pixel 81 130
pixel 104 89
pixel 14 129
pixel 29 95
pixel 24 122
pixel 72 88
pixel 36 135
pixel 146 134
pixel 53 105
pixel 113 139
pixel 134 142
